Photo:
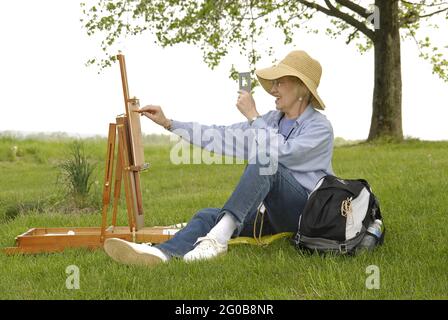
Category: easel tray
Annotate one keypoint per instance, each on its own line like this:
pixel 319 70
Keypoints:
pixel 37 240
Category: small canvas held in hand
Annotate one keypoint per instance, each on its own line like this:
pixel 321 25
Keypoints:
pixel 245 81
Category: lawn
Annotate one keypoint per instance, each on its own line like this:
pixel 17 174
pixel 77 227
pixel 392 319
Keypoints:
pixel 409 179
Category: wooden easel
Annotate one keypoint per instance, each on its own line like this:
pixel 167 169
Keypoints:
pixel 128 165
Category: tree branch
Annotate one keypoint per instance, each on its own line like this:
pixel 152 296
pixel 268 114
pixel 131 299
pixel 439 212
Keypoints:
pixel 433 13
pixel 423 4
pixel 332 11
pixel 351 36
pixel 413 15
pixel 354 7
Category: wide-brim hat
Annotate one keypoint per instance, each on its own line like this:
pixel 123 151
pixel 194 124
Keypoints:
pixel 297 64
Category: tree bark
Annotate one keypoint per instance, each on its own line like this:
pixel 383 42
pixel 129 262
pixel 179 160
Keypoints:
pixel 386 114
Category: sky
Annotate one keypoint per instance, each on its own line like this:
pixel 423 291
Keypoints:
pixel 46 87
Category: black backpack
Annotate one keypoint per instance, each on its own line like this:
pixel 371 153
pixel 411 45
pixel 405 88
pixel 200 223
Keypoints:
pixel 337 216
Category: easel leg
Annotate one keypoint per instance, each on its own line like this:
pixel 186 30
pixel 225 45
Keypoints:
pixel 138 193
pixel 108 177
pixel 123 154
pixel 117 185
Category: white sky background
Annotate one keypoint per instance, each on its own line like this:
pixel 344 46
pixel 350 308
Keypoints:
pixel 45 87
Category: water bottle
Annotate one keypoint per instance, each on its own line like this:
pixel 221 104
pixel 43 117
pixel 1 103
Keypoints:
pixel 372 236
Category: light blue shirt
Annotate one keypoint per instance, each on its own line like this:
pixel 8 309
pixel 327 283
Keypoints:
pixel 285 126
pixel 307 149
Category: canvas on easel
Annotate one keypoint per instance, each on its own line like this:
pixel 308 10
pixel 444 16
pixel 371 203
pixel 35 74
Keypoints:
pixel 124 141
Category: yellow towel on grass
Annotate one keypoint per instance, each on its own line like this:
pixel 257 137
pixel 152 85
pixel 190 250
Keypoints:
pixel 264 240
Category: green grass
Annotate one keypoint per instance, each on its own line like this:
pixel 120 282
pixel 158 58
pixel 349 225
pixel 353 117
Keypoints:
pixel 409 179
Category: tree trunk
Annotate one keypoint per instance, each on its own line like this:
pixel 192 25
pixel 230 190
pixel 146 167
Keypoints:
pixel 386 114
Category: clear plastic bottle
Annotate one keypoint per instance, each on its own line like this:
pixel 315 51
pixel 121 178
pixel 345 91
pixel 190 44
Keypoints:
pixel 373 235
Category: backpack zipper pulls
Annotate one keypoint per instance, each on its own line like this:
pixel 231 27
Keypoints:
pixel 346 209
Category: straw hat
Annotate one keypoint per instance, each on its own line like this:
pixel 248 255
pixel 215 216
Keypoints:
pixel 298 64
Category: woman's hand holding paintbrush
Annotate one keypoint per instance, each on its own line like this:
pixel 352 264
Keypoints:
pixel 156 114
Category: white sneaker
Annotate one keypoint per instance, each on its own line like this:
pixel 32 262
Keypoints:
pixel 207 247
pixel 133 253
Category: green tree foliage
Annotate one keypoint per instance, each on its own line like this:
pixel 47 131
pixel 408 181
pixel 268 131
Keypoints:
pixel 215 26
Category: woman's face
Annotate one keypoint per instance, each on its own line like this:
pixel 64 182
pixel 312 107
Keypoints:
pixel 287 91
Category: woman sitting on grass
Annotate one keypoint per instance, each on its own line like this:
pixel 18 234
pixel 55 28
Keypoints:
pixel 303 152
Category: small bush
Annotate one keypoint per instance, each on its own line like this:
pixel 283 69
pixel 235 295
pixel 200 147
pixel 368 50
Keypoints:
pixel 13 153
pixel 77 174
pixel 13 210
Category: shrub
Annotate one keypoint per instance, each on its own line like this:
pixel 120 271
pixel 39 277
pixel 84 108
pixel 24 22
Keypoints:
pixel 15 209
pixel 77 174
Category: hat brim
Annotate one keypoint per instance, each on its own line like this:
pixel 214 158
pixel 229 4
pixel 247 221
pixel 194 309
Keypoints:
pixel 265 76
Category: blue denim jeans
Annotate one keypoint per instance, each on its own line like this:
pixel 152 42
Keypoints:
pixel 283 197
